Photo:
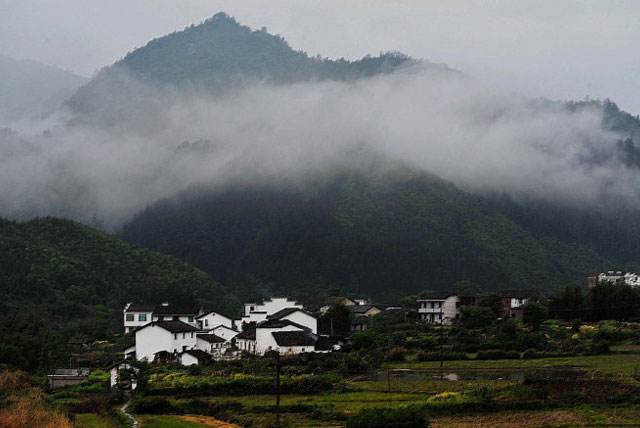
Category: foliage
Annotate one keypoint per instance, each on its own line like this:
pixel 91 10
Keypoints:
pixel 534 313
pixel 61 281
pixel 407 417
pixel 476 317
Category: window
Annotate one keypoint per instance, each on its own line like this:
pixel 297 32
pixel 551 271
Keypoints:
pixel 175 336
pixel 190 319
pixel 142 317
pixel 184 335
pixel 129 317
pixel 206 322
pixel 192 335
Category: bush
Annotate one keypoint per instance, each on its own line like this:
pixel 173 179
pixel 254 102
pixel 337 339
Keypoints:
pixel 441 356
pixel 406 417
pixel 397 354
pixel 497 354
pixel 152 405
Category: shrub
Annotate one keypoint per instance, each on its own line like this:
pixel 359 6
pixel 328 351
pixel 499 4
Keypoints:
pixel 404 417
pixel 447 397
pixel 397 354
pixel 497 354
pixel 438 356
pixel 152 405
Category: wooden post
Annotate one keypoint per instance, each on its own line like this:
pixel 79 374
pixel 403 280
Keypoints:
pixel 388 380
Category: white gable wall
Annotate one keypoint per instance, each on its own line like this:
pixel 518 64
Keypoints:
pixel 304 319
pixel 225 332
pixel 213 319
pixel 188 360
pixel 153 339
pixel 265 340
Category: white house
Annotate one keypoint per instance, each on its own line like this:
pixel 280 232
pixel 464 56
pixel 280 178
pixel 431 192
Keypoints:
pixel 171 312
pixel 210 343
pixel 136 315
pixel 437 308
pixel 295 342
pixel 224 332
pixel 246 341
pixel 211 319
pixel 298 316
pixel 192 357
pixel 258 312
pixel 169 336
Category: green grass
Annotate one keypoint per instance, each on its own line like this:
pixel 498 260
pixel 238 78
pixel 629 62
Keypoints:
pixel 165 421
pixel 619 365
pixel 92 420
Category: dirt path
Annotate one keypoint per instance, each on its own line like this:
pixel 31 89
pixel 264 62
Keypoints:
pixel 134 422
pixel 209 421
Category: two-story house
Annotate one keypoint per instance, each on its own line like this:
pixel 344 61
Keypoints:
pixel 136 315
pixel 171 337
pixel 439 308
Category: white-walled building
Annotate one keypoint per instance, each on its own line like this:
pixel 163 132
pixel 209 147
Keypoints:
pixel 212 319
pixel 193 357
pixel 224 332
pixel 616 277
pixel 136 315
pixel 211 343
pixel 298 316
pixel 168 336
pixel 258 312
pixel 170 312
pixel 246 341
pixel 438 308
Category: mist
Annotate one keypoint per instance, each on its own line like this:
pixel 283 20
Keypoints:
pixel 483 139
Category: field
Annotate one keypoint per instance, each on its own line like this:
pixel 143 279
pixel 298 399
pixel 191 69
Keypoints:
pixel 418 388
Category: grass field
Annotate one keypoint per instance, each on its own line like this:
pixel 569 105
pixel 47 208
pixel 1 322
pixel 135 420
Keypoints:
pixel 92 420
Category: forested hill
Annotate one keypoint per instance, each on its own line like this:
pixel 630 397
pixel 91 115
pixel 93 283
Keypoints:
pixel 213 57
pixel 381 234
pixel 60 280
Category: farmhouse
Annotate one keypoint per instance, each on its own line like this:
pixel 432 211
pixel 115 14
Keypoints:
pixel 439 308
pixel 168 336
pixel 136 315
pixel 257 312
pixel 212 319
pixel 192 357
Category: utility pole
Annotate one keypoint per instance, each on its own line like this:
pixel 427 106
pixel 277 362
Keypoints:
pixel 441 343
pixel 277 388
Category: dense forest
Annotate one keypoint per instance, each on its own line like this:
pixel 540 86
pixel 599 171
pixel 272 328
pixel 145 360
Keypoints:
pixel 61 281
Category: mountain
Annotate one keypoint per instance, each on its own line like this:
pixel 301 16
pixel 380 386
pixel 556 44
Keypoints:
pixel 31 90
pixel 60 280
pixel 382 230
pixel 214 57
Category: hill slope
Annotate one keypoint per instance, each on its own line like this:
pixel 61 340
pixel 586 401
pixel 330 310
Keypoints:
pixel 383 234
pixel 59 279
pixel 31 90
pixel 216 56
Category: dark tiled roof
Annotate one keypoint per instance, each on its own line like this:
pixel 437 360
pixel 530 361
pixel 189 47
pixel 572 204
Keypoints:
pixel 279 324
pixel 137 307
pixel 172 326
pixel 361 309
pixel 438 295
pixel 197 353
pixel 247 334
pixel 176 310
pixel 519 294
pixel 211 338
pixel 210 311
pixel 286 311
pixel 295 338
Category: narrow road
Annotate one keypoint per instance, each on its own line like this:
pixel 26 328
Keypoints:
pixel 134 422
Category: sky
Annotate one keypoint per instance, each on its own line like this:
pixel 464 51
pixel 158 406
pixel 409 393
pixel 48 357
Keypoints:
pixel 560 49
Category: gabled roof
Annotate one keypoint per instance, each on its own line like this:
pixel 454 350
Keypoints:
pixel 295 338
pixel 361 309
pixel 197 353
pixel 171 326
pixel 279 324
pixel 209 312
pixel 247 334
pixel 140 307
pixel 210 337
pixel 223 326
pixel 172 309
pixel 286 311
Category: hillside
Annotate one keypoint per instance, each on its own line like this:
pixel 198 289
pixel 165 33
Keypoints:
pixel 60 280
pixel 214 57
pixel 384 234
pixel 31 90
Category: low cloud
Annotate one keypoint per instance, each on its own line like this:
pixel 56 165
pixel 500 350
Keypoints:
pixel 482 139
